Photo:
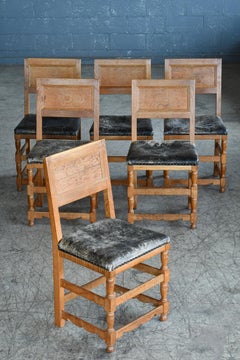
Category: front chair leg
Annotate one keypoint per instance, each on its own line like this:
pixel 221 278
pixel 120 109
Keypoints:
pixel 58 275
pixel 131 198
pixel 110 309
pixel 164 285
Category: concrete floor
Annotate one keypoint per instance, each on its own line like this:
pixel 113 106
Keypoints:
pixel 204 291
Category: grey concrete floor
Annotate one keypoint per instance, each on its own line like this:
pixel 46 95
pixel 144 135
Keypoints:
pixel 204 290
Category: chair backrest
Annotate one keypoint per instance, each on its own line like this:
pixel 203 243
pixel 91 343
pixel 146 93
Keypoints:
pixel 206 72
pixel 75 174
pixel 67 98
pixel 35 68
pixel 163 99
pixel 115 75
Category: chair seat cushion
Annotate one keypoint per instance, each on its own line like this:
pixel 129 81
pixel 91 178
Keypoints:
pixel 110 243
pixel 120 125
pixel 55 126
pixel 204 125
pixel 167 153
pixel 48 147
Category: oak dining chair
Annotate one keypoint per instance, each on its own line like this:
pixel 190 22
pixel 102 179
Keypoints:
pixel 210 130
pixel 159 99
pixel 25 130
pixel 59 98
pixel 106 250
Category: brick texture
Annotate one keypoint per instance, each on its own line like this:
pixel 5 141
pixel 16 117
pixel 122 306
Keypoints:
pixel 91 29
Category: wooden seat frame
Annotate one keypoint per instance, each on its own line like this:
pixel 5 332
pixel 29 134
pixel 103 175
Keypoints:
pixel 161 99
pixel 115 77
pixel 60 98
pixel 40 68
pixel 64 187
pixel 207 74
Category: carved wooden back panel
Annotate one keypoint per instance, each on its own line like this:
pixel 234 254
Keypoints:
pixel 163 99
pixel 116 75
pixel 207 74
pixel 69 98
pixel 75 174
pixel 35 68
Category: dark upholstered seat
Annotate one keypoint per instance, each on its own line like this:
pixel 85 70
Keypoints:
pixel 204 125
pixel 117 125
pixel 62 127
pixel 167 153
pixel 111 243
pixel 49 147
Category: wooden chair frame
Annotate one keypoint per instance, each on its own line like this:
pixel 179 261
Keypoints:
pixel 161 99
pixel 207 74
pixel 60 98
pixel 115 77
pixel 63 187
pixel 35 68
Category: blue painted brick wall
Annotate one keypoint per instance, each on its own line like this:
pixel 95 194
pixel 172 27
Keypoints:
pixel 91 29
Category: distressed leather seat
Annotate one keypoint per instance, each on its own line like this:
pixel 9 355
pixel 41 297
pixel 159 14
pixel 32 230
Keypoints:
pixel 204 125
pixel 25 131
pixel 207 74
pixel 108 248
pixel 159 99
pixel 158 153
pixel 48 147
pixel 63 127
pixel 120 125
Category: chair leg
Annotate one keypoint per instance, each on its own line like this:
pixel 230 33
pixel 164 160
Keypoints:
pixel 39 180
pixel 58 274
pixel 223 166
pixel 166 178
pixel 130 196
pixel 194 195
pixel 135 184
pixel 20 156
pixel 93 207
pixel 110 310
pixel 216 165
pixel 30 195
pixel 164 285
pixel 18 161
pixel 149 177
pixel 189 186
